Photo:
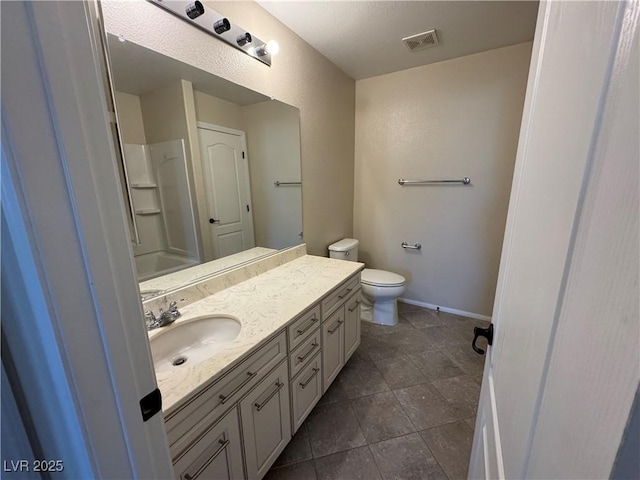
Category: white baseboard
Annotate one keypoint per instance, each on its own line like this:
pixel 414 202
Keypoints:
pixel 455 311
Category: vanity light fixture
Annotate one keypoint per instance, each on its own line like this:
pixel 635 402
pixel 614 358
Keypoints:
pixel 217 26
pixel 194 10
pixel 262 51
pixel 243 39
pixel 273 47
pixel 222 26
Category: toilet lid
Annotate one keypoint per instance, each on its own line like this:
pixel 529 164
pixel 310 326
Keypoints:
pixel 381 278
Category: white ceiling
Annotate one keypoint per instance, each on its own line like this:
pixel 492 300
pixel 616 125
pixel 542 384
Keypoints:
pixel 364 38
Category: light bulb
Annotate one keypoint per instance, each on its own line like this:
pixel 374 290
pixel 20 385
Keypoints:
pixel 272 47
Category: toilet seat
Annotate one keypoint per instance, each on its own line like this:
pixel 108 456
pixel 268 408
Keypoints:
pixel 381 278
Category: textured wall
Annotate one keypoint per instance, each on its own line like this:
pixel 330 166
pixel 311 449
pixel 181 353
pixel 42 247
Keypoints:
pixel 446 120
pixel 300 76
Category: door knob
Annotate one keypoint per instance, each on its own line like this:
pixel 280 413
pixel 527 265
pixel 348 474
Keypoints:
pixel 211 220
pixel 482 332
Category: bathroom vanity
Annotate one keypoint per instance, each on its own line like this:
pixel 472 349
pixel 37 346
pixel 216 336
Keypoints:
pixel 231 415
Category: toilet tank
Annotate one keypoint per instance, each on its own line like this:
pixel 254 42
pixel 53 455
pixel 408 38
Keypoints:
pixel 345 249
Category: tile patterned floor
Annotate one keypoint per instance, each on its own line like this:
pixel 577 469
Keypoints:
pixel 402 408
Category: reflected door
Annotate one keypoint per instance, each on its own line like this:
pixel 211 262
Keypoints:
pixel 226 177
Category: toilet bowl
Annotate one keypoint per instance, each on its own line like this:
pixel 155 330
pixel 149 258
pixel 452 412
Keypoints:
pixel 380 289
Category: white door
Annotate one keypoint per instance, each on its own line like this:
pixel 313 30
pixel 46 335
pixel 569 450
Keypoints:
pixel 561 375
pixel 226 176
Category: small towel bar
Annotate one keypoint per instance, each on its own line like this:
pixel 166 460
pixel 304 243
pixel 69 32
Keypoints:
pixel 402 181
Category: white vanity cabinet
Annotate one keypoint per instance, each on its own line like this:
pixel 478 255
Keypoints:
pixel 266 422
pixel 352 324
pixel 340 328
pixel 237 426
pixel 217 453
pixel 332 347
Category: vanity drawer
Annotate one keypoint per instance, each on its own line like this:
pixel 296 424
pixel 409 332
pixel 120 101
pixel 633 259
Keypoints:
pixel 335 299
pixel 300 357
pixel 306 390
pixel 185 424
pixel 303 326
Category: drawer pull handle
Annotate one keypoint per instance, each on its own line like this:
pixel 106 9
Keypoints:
pixel 355 305
pixel 347 292
pixel 313 320
pixel 223 444
pixel 302 358
pixel 305 383
pixel 225 398
pixel 336 327
pixel 260 406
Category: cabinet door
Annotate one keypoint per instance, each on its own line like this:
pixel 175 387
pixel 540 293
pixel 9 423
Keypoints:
pixel 352 325
pixel 332 347
pixel 306 390
pixel 216 454
pixel 266 421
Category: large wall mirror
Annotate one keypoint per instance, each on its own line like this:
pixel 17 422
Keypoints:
pixel 211 169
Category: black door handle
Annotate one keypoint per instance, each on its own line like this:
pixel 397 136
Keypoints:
pixel 211 220
pixel 482 332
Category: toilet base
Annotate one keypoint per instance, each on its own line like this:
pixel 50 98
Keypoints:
pixel 382 312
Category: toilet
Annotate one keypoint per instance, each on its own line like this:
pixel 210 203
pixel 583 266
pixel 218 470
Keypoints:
pixel 380 289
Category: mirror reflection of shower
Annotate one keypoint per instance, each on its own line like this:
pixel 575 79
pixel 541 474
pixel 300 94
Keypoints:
pixel 200 156
pixel 162 203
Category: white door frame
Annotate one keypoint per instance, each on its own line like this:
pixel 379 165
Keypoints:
pixel 78 326
pixel 207 186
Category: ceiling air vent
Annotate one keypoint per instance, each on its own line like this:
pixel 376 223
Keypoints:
pixel 421 40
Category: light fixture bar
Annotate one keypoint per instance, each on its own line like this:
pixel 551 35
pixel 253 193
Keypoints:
pixel 216 25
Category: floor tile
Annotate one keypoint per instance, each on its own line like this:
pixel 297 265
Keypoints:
pixel 425 318
pixel 356 464
pixel 466 359
pixel 441 336
pixel 297 471
pixel 336 393
pixel 406 458
pixel 297 450
pixel 378 347
pixel 375 329
pixel 333 428
pixel 435 365
pixel 400 372
pixel 463 389
pixel 410 341
pixel 381 417
pixel 425 407
pixel 471 421
pixel 451 445
pixel 408 308
pixel 362 379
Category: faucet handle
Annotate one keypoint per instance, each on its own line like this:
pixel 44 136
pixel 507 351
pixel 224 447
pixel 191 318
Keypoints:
pixel 173 306
pixel 150 319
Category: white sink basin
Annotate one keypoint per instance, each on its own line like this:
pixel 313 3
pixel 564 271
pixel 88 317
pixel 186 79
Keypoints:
pixel 192 341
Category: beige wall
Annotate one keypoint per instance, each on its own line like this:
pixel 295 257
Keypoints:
pixel 446 120
pixel 214 110
pixel 273 141
pixel 300 76
pixel 130 118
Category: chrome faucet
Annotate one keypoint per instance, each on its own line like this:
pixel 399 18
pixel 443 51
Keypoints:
pixel 165 318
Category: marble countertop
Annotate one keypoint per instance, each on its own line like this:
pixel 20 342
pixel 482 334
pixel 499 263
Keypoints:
pixel 264 304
